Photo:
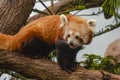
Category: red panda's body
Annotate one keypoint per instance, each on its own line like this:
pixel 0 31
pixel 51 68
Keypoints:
pixel 45 30
pixel 40 28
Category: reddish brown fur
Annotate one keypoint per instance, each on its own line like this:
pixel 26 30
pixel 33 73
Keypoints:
pixel 45 28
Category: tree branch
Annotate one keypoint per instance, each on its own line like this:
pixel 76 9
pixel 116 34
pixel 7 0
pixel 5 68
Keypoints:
pixel 61 3
pixel 56 8
pixel 13 14
pixel 45 7
pixel 45 69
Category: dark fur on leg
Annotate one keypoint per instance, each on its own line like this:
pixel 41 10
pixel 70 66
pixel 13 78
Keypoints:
pixel 36 48
pixel 66 56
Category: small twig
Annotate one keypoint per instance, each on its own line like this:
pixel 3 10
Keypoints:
pixel 108 28
pixel 52 5
pixel 105 76
pixel 45 7
pixel 76 12
pixel 38 11
pixel 93 14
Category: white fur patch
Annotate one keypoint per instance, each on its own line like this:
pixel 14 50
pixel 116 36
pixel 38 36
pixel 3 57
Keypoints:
pixel 66 33
pixel 92 23
pixel 70 32
pixel 63 20
pixel 77 34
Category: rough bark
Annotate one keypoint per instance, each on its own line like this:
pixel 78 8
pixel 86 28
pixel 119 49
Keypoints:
pixel 46 70
pixel 13 14
pixel 60 4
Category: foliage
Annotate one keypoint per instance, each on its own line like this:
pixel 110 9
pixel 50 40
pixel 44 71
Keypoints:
pixel 71 6
pixel 52 54
pixel 65 9
pixel 111 7
pixel 91 61
pixel 97 62
pixel 78 4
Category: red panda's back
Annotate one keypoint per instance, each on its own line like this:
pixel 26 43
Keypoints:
pixel 46 28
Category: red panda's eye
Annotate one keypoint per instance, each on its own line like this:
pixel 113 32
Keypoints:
pixel 68 35
pixel 76 37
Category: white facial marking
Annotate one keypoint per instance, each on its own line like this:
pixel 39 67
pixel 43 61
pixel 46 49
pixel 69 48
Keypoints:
pixel 77 34
pixel 70 32
pixel 65 34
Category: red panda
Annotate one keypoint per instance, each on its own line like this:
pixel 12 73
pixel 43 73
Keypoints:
pixel 41 35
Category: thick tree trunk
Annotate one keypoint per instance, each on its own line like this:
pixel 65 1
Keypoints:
pixel 45 70
pixel 13 14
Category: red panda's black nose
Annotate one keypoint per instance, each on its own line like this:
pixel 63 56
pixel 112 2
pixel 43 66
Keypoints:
pixel 71 43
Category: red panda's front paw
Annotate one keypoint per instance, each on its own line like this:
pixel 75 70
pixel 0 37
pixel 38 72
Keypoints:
pixel 69 70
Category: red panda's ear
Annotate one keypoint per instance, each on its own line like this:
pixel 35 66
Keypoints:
pixel 63 20
pixel 92 23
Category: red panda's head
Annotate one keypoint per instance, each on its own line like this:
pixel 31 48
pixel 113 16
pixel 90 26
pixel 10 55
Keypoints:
pixel 77 31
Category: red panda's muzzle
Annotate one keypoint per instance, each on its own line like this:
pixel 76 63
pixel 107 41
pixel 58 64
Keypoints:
pixel 73 46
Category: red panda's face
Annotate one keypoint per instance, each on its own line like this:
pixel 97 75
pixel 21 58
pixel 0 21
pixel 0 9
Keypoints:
pixel 78 33
pixel 73 39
